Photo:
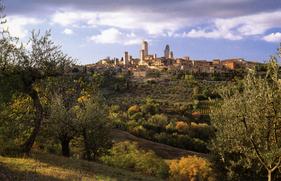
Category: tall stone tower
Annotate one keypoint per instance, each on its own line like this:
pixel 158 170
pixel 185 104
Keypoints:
pixel 171 55
pixel 126 58
pixel 145 48
pixel 167 51
pixel 142 57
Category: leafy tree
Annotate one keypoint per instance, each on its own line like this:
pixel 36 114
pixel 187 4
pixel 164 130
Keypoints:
pixel 248 123
pixel 22 67
pixel 74 113
pixel 63 124
pixel 94 126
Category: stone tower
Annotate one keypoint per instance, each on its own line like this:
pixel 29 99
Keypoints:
pixel 145 48
pixel 126 58
pixel 167 51
pixel 142 57
pixel 171 55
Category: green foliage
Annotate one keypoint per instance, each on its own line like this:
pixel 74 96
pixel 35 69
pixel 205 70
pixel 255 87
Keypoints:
pixel 15 120
pixel 160 120
pixel 150 107
pixel 153 74
pixel 94 126
pixel 23 67
pixel 128 155
pixel 248 124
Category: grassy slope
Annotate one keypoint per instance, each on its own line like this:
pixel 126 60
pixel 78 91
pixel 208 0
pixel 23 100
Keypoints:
pixel 51 167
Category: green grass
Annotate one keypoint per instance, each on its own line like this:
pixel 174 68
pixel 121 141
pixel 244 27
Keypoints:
pixel 56 168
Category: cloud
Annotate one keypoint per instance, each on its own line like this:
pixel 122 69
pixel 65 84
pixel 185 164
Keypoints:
pixel 221 19
pixel 68 31
pixel 72 18
pixel 18 25
pixel 113 36
pixel 215 34
pixel 239 27
pixel 151 23
pixel 175 8
pixel 273 37
pixel 108 36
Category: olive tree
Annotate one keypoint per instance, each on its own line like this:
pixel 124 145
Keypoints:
pixel 94 126
pixel 63 124
pixel 23 67
pixel 248 122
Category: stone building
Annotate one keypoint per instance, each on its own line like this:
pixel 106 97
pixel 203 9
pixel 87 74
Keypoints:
pixel 167 51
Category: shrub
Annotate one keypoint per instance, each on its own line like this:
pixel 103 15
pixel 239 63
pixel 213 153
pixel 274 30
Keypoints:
pixel 137 116
pixel 191 168
pixel 133 110
pixel 150 107
pixel 159 120
pixel 170 127
pixel 201 130
pixel 182 127
pixel 118 124
pixel 161 137
pixel 127 155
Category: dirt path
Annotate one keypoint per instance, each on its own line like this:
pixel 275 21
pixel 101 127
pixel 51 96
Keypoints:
pixel 162 150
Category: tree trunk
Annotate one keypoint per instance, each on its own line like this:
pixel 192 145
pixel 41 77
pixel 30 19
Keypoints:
pixel 269 173
pixel 26 147
pixel 65 147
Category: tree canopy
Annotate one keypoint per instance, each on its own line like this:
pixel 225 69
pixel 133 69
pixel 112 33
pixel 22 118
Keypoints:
pixel 248 123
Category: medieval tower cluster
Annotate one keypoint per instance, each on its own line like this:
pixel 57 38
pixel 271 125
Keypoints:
pixel 168 61
pixel 144 54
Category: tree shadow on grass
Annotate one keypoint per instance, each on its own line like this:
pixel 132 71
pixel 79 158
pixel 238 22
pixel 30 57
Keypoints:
pixel 92 168
pixel 6 174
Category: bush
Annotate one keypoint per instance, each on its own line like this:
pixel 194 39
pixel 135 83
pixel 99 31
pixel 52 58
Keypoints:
pixel 137 116
pixel 191 168
pixel 127 155
pixel 201 130
pixel 159 120
pixel 150 107
pixel 118 124
pixel 182 127
pixel 133 110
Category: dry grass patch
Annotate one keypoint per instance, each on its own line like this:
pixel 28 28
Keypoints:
pixel 51 167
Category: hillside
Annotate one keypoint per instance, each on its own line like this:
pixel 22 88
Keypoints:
pixel 56 168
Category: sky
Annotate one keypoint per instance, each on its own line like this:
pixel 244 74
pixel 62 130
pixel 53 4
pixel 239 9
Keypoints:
pixel 89 30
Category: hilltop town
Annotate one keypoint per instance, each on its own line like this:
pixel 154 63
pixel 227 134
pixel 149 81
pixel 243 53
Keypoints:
pixel 148 61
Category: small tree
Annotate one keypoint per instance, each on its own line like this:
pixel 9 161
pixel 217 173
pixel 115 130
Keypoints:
pixel 248 122
pixel 63 124
pixel 94 126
